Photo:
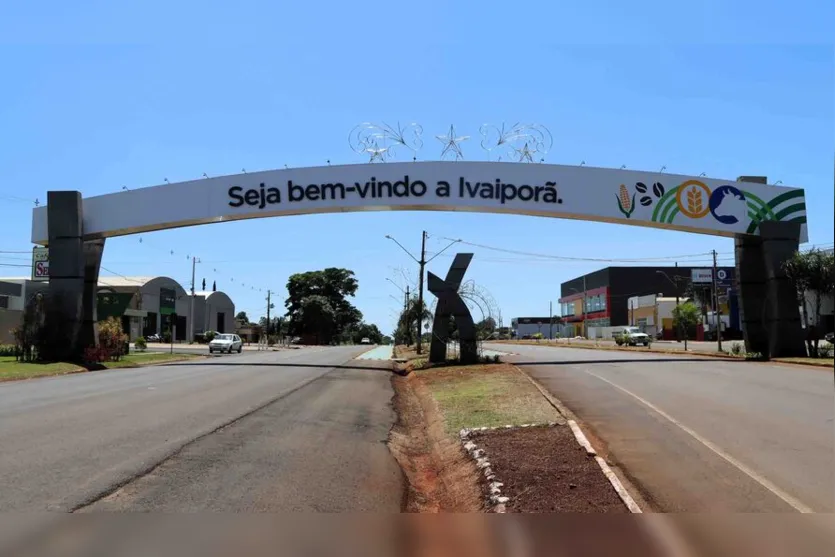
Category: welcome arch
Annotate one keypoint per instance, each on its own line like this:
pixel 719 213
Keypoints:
pixel 768 222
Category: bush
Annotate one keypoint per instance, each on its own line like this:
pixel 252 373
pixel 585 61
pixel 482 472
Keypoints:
pixel 737 349
pixel 8 350
pixel 209 336
pixel 112 339
pixel 140 343
pixel 166 337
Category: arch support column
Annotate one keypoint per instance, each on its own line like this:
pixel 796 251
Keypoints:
pixel 74 265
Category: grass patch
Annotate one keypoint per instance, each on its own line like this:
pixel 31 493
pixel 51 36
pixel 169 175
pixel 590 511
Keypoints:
pixel 11 370
pixel 485 395
pixel 820 362
pixel 137 359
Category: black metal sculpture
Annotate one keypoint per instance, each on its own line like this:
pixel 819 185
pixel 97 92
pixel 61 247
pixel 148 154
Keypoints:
pixel 449 305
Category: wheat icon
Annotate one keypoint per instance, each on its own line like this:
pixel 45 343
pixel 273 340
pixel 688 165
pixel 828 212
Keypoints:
pixel 694 200
pixel 625 203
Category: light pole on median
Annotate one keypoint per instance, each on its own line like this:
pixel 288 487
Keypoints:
pixel 422 265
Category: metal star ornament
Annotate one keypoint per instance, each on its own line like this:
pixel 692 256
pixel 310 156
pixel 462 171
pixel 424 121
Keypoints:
pixel 376 153
pixel 452 145
pixel 525 153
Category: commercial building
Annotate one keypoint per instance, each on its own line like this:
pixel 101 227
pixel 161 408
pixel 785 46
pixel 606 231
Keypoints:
pixel 601 299
pixel 145 305
pixel 527 327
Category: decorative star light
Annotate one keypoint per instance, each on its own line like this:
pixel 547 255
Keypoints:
pixel 366 138
pixel 520 141
pixel 525 153
pixel 451 144
pixel 376 153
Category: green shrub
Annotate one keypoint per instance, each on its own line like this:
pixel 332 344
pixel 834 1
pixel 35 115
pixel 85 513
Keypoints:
pixel 140 343
pixel 8 350
pixel 209 336
pixel 111 338
pixel 737 348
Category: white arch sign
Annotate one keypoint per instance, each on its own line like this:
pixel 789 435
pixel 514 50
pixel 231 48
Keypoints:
pixel 651 199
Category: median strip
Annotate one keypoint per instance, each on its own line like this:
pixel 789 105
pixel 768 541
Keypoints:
pixel 520 453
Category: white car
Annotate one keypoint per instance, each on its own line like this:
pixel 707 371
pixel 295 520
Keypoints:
pixel 631 336
pixel 365 340
pixel 226 343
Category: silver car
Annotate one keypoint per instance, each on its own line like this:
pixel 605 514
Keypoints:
pixel 226 343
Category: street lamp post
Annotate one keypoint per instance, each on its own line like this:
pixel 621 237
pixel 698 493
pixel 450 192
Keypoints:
pixel 422 265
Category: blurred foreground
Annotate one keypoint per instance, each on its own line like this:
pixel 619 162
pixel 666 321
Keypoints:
pixel 413 535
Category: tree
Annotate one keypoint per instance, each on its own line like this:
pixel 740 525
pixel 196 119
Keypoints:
pixel 686 316
pixel 366 330
pixel 335 286
pixel 242 316
pixel 409 317
pixel 317 318
pixel 811 274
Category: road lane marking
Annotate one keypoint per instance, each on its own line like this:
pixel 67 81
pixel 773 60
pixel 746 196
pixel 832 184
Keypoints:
pixel 795 503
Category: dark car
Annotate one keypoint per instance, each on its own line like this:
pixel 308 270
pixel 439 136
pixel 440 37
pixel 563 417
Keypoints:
pixel 830 337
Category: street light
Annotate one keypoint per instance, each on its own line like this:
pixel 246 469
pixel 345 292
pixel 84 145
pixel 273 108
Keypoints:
pixel 422 265
pixel 395 284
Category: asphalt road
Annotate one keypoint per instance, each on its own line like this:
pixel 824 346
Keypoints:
pixel 301 430
pixel 702 435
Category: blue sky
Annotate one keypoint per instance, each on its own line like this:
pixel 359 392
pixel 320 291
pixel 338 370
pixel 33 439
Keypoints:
pixel 99 96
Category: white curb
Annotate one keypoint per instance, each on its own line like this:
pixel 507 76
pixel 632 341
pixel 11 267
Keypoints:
pixel 607 471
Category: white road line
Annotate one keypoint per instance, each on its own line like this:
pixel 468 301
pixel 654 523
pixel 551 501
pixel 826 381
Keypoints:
pixel 792 501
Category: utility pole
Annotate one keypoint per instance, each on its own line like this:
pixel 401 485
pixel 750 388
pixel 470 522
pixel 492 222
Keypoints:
pixel 716 306
pixel 406 312
pixel 550 320
pixel 268 318
pixel 191 302
pixel 422 264
pixel 584 307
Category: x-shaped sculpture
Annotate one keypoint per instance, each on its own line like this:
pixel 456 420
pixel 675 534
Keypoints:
pixel 449 305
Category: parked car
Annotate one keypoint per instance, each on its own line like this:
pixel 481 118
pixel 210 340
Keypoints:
pixel 829 337
pixel 631 336
pixel 226 343
pixel 365 340
pixel 153 338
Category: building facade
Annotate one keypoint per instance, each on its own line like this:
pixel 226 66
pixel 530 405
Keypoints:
pixel 601 299
pixel 145 305
pixel 528 327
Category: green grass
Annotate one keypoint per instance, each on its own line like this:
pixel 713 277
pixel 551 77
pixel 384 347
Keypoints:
pixel 821 362
pixel 11 370
pixel 137 359
pixel 486 396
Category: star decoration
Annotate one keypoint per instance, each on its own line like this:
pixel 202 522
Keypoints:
pixel 376 152
pixel 451 144
pixel 525 153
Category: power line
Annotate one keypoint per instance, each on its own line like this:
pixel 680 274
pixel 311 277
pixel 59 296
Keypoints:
pixel 590 259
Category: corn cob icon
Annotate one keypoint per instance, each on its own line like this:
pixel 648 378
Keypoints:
pixel 625 203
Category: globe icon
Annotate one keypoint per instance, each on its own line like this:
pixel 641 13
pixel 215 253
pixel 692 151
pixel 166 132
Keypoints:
pixel 727 204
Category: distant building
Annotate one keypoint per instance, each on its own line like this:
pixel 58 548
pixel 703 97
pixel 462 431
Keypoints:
pixel 213 311
pixel 527 327
pixel 145 305
pixel 607 293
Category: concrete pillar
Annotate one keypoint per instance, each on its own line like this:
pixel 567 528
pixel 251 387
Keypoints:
pixel 768 309
pixel 750 284
pixel 89 333
pixel 64 314
pixel 780 241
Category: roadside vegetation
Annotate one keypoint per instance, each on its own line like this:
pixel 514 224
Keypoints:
pixel 11 369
